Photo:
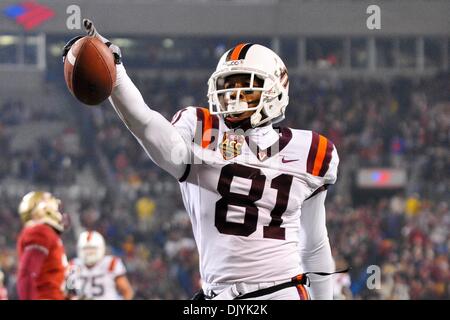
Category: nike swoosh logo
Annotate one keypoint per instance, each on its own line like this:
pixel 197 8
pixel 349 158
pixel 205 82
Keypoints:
pixel 286 161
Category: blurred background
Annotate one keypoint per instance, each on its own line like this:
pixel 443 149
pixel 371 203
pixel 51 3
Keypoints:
pixel 382 96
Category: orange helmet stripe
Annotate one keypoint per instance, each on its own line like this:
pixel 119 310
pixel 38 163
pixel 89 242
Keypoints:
pixel 237 51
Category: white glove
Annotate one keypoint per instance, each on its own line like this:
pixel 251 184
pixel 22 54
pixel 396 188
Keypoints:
pixel 92 31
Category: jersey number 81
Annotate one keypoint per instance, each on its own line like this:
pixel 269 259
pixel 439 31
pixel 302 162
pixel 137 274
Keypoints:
pixel 281 183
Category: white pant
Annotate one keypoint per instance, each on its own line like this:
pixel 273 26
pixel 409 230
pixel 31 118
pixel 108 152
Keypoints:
pixel 231 291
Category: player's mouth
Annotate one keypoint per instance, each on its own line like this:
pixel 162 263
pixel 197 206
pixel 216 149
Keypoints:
pixel 237 117
pixel 231 118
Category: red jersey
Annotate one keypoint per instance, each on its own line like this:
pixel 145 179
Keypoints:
pixel 3 293
pixel 50 281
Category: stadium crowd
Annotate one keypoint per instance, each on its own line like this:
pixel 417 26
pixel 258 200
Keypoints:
pixel 400 123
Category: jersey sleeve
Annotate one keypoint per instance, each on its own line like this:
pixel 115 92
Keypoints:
pixel 39 237
pixel 30 267
pixel 117 267
pixel 322 161
pixel 332 171
pixel 315 250
pixel 185 122
pixel 157 136
pixel 196 125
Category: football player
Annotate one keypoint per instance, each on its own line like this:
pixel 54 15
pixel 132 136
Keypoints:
pixel 255 193
pixel 42 259
pixel 96 276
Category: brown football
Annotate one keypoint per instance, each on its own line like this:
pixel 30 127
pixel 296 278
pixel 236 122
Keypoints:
pixel 90 71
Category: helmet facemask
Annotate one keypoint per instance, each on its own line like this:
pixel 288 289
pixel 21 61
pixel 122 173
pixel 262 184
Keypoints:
pixel 90 255
pixel 91 247
pixel 228 101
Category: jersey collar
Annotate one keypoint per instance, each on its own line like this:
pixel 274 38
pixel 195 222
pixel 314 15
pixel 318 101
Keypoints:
pixel 266 142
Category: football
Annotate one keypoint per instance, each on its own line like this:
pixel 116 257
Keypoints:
pixel 90 71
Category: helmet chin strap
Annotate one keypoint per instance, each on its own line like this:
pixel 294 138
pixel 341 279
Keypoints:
pixel 246 123
pixel 240 107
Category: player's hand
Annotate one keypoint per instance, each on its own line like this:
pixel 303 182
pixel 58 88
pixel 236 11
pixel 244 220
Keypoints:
pixel 92 31
pixel 69 45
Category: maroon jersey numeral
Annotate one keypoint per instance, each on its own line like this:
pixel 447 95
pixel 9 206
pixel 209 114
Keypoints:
pixel 237 199
pixel 282 183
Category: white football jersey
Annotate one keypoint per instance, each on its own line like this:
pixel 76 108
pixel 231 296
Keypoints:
pixel 99 281
pixel 244 195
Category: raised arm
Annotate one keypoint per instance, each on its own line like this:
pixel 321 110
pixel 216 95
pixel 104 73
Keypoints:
pixel 161 141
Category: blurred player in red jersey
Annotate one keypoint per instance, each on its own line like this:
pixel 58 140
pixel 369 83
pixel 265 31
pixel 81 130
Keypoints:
pixel 42 260
pixel 3 290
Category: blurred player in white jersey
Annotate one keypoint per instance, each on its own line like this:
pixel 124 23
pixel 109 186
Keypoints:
pixel 97 276
pixel 255 193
